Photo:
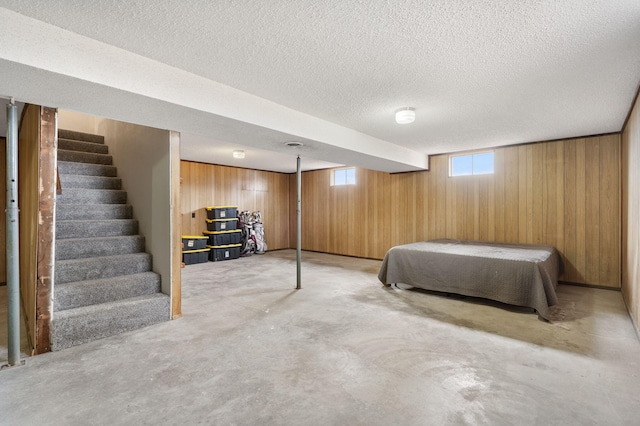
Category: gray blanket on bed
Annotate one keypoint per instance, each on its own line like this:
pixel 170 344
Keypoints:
pixel 517 274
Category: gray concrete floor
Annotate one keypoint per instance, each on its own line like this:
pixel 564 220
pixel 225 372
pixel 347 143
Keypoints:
pixel 344 350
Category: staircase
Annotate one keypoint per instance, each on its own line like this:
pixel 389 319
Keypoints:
pixel 103 282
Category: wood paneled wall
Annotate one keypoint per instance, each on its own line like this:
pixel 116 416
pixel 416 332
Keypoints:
pixel 563 193
pixel 211 185
pixel 631 214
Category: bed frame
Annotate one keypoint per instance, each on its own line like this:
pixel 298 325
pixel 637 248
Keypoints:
pixel 516 274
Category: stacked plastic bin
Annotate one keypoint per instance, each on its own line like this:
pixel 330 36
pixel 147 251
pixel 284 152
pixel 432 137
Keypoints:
pixel 223 237
pixel 194 249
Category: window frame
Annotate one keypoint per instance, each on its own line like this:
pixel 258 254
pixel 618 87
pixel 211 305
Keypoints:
pixel 472 154
pixel 346 177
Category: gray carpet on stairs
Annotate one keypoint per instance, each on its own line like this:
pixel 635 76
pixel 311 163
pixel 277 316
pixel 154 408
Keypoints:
pixel 103 282
pixel 78 248
pixel 95 228
pixel 91 268
pixel 73 145
pixel 84 157
pixel 91 292
pixel 92 196
pixel 90 182
pixel 81 325
pixel 80 136
pixel 69 167
pixel 93 212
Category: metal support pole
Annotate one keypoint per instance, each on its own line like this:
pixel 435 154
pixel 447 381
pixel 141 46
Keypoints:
pixel 298 229
pixel 13 266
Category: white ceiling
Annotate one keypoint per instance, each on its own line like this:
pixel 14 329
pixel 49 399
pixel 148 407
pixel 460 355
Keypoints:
pixel 331 73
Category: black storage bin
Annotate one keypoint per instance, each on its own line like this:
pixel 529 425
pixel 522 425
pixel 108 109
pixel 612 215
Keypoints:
pixel 228 252
pixel 221 212
pixel 222 224
pixel 223 238
pixel 193 242
pixel 190 257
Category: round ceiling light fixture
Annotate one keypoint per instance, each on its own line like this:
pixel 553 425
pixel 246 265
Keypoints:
pixel 405 115
pixel 294 144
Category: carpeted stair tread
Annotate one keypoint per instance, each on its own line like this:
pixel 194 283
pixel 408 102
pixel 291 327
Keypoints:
pixel 75 145
pixel 94 268
pixel 81 325
pixel 91 196
pixel 79 248
pixel 75 168
pixel 91 292
pixel 80 136
pixel 84 157
pixel 95 228
pixel 69 212
pixel 89 182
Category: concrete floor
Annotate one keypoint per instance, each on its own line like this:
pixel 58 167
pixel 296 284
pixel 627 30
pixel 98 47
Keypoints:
pixel 345 350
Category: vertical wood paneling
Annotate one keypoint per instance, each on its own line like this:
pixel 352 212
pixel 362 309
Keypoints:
pixel 176 227
pixel 421 207
pixel 562 193
pixel 580 191
pixel 499 203
pixel 523 190
pixel 609 214
pixel 209 185
pixel 536 199
pixel 631 214
pixel 512 195
pixel 293 199
pixel 591 209
pixel 570 213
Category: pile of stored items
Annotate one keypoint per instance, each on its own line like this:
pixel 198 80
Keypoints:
pixel 253 241
pixel 194 249
pixel 228 236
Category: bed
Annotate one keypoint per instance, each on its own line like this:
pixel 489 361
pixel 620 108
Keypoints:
pixel 516 274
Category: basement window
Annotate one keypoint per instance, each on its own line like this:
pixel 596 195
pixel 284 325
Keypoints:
pixel 343 176
pixel 480 163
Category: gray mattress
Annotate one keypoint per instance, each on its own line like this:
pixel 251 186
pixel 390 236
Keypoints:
pixel 517 274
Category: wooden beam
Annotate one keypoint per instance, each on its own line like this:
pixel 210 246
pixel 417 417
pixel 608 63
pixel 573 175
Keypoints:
pixel 46 225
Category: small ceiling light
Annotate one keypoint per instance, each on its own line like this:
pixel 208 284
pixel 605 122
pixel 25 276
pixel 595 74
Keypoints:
pixel 238 153
pixel 405 115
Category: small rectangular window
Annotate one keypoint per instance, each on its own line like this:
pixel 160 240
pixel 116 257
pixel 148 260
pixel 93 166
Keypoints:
pixel 471 164
pixel 343 176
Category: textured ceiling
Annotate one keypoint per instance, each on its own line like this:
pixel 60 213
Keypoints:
pixel 479 74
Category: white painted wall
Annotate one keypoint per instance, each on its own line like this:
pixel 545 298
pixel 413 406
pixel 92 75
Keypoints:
pixel 71 120
pixel 143 158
